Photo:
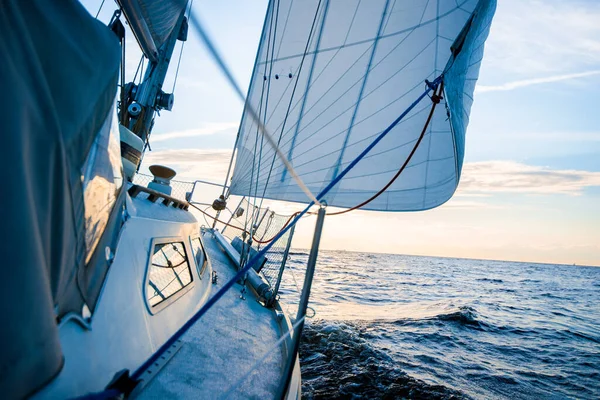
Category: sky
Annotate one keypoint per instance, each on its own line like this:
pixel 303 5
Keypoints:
pixel 530 185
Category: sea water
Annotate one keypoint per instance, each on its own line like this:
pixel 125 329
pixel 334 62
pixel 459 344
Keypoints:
pixel 396 326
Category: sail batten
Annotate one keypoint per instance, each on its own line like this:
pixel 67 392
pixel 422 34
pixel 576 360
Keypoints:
pixel 363 66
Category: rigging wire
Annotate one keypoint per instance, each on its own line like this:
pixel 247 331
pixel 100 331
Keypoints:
pixel 141 71
pixel 310 34
pixel 255 210
pixel 123 64
pixel 122 97
pixel 272 35
pixel 99 9
pixel 177 69
pixel 233 83
pixel 267 108
pixel 304 98
pixel 284 27
pixel 205 213
pixel 237 137
pixel 138 68
pixel 181 52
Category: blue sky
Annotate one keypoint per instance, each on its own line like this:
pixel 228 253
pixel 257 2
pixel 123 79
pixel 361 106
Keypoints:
pixel 530 187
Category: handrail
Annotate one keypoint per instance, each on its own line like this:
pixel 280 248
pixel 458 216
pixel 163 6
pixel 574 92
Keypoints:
pixel 208 183
pixel 153 195
pixel 197 181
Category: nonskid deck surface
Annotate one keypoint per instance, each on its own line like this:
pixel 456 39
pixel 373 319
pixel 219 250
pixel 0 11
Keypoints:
pixel 222 346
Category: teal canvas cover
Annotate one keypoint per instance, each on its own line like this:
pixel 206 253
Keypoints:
pixel 58 74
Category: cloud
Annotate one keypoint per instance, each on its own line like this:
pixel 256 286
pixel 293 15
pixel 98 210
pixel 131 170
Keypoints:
pixel 514 177
pixel 192 164
pixel 191 83
pixel 478 179
pixel 208 129
pixel 470 205
pixel 533 37
pixel 535 81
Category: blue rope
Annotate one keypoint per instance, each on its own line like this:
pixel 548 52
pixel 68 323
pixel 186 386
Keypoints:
pixel 430 86
pixel 216 297
pixel 212 301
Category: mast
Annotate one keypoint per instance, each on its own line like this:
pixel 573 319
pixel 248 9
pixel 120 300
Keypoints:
pixel 141 102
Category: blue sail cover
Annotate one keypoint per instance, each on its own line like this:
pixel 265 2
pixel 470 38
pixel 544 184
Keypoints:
pixel 331 75
pixel 152 21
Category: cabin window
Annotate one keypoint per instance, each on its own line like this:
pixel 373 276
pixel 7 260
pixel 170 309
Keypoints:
pixel 169 272
pixel 200 255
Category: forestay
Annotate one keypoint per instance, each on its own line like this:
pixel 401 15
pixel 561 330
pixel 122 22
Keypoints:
pixel 331 75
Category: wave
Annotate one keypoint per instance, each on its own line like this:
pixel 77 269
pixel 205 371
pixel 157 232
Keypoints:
pixel 298 253
pixel 528 280
pixel 582 335
pixel 338 363
pixel 401 314
pixel 552 296
pixel 490 280
pixel 465 315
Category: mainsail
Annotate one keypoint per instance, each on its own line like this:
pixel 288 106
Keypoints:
pixel 330 75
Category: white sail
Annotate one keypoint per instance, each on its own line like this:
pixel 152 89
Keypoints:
pixel 331 75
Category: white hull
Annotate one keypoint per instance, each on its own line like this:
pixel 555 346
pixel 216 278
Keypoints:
pixel 125 330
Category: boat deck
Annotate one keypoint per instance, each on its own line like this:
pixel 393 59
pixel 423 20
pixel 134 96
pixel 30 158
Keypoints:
pixel 223 346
